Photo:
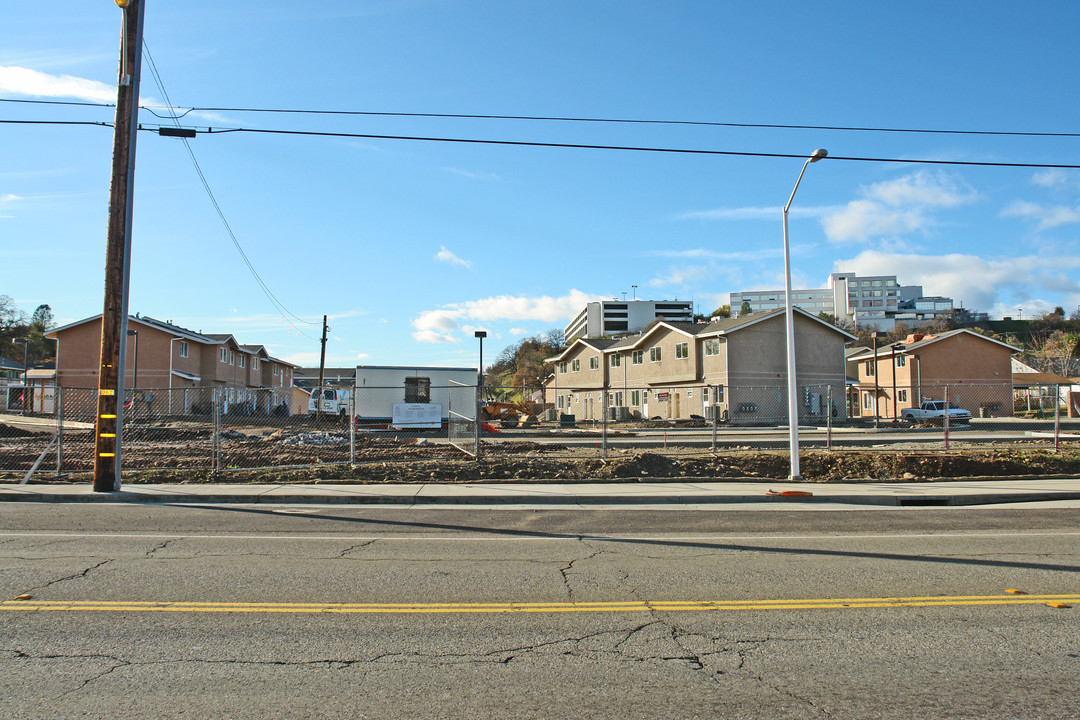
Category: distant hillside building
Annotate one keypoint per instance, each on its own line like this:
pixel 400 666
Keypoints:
pixel 610 317
pixel 877 300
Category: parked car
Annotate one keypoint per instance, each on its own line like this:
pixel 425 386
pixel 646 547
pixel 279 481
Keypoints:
pixel 936 410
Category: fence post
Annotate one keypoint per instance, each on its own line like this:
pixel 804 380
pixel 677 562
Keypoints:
pixel 59 429
pixel 215 415
pixel 479 413
pixel 945 420
pixel 603 422
pixel 1057 416
pixel 828 417
pixel 715 417
pixel 352 426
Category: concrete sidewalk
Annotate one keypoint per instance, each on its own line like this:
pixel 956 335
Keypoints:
pixel 900 494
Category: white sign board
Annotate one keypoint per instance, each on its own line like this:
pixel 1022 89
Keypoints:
pixel 408 416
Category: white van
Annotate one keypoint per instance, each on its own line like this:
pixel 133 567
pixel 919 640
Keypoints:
pixel 335 401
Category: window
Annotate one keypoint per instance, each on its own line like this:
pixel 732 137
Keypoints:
pixel 616 360
pixel 901 361
pixel 901 396
pixel 594 362
pixel 682 351
pixel 254 362
pixel 712 346
pixel 718 394
pixel 243 362
pixel 575 365
pixel 275 370
pixel 417 390
pixel 654 353
pixel 221 355
pixel 560 402
pixel 232 358
pixel 618 397
pixel 867 403
pixel 562 367
pixel 689 392
pixel 870 366
pixel 637 357
pixel 635 398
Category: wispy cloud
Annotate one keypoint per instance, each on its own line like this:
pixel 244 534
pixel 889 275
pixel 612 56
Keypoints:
pixel 33 83
pixel 1052 178
pixel 491 177
pixel 754 213
pixel 450 258
pixel 896 207
pixel 1044 216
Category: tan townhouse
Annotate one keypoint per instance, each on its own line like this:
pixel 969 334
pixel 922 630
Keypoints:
pixel 976 369
pixel 168 369
pixel 733 369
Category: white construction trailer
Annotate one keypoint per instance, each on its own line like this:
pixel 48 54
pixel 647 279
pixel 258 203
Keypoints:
pixel 413 397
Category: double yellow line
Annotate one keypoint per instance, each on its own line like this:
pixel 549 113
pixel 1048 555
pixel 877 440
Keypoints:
pixel 524 607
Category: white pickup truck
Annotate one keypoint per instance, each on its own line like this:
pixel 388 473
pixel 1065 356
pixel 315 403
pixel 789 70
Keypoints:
pixel 935 410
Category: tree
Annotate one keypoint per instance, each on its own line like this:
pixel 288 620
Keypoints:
pixel 724 311
pixel 522 367
pixel 745 309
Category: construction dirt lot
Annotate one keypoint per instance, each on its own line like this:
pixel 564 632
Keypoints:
pixel 185 453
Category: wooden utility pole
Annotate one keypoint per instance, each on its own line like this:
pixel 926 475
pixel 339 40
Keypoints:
pixel 109 426
pixel 322 368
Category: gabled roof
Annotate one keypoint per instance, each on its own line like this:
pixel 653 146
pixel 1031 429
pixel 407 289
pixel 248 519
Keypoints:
pixel 928 340
pixel 730 325
pixel 6 364
pixel 178 332
pixel 598 344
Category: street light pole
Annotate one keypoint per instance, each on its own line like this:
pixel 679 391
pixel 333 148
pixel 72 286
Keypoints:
pixel 134 373
pixel 479 335
pixel 792 386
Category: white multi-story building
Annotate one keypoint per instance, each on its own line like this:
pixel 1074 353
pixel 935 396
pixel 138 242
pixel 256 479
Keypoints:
pixel 611 317
pixel 877 300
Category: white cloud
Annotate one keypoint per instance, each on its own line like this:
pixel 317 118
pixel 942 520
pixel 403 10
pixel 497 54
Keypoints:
pixel 978 283
pixel 431 336
pixel 24 81
pixel 1051 178
pixel 445 324
pixel 450 258
pixel 896 207
pixel 9 198
pixel 518 331
pixel 1045 216
pixel 361 356
pixel 472 175
pixel 680 276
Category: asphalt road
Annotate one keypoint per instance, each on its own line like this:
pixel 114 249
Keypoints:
pixel 328 612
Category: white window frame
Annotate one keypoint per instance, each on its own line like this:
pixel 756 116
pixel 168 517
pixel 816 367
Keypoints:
pixel 232 358
pixel 656 354
pixel 243 361
pixel 902 395
pixel 682 350
pixel 562 367
pixel 901 361
pixel 575 365
pixel 594 362
pixel 222 355
pixel 254 362
pixel 183 348
pixel 637 357
pixel 712 346
pixel 616 360
pixel 870 367
pixel 867 401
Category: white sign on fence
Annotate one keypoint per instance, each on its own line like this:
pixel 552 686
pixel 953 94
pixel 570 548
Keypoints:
pixel 417 415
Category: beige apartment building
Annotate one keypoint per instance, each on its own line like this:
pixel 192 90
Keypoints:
pixel 734 369
pixel 977 370
pixel 168 368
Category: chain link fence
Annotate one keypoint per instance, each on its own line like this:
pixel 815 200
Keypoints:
pixel 224 429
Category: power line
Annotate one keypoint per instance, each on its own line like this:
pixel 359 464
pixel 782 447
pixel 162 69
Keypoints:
pixel 583 146
pixel 555 118
pixel 638 148
pixel 228 228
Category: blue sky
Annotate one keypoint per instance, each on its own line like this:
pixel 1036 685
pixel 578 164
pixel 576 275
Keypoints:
pixel 410 246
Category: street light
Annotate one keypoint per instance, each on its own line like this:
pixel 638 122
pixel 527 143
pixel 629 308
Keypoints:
pixel 26 387
pixel 792 388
